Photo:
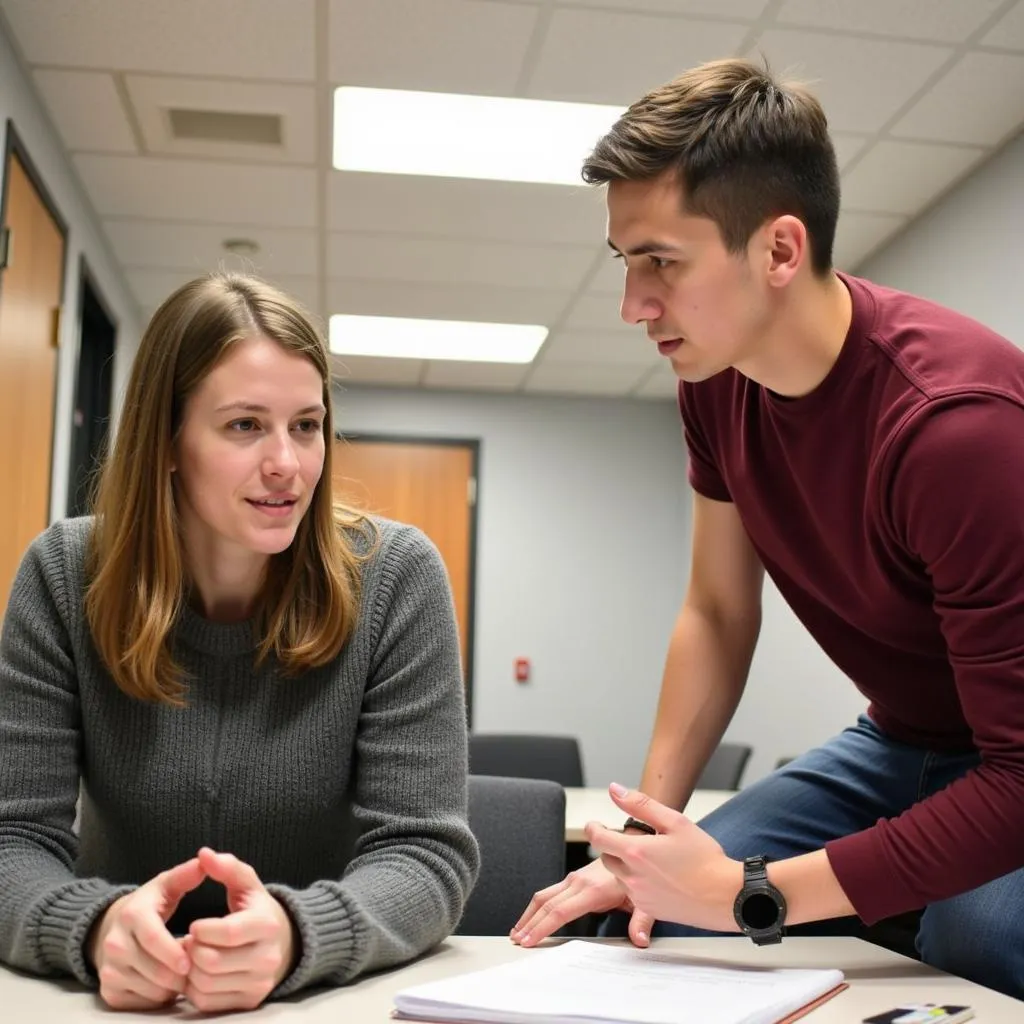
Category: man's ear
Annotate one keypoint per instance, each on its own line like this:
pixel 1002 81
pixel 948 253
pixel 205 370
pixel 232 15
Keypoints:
pixel 788 248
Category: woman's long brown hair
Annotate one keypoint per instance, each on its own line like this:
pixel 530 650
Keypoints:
pixel 138 577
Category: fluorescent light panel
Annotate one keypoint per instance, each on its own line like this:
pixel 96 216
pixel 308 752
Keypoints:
pixel 456 136
pixel 402 338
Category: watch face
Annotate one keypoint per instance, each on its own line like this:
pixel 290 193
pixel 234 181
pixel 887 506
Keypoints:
pixel 760 912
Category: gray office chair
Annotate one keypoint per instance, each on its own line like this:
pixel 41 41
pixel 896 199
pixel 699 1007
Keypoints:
pixel 520 826
pixel 527 756
pixel 725 769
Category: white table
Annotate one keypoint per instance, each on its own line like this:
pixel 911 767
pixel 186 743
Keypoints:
pixel 878 981
pixel 583 805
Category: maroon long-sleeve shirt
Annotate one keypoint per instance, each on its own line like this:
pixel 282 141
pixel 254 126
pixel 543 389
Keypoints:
pixel 888 507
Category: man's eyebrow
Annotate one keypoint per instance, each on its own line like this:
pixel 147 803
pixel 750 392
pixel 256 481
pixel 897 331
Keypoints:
pixel 645 248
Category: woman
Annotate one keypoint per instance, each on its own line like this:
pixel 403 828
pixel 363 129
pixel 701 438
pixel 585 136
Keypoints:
pixel 256 692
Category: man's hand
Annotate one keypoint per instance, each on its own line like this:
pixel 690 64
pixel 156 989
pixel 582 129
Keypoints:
pixel 139 964
pixel 681 874
pixel 238 960
pixel 591 890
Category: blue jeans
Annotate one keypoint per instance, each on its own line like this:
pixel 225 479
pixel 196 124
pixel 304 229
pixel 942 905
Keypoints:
pixel 845 786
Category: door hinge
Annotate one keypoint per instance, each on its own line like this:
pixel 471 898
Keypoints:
pixel 55 318
pixel 471 491
pixel 6 238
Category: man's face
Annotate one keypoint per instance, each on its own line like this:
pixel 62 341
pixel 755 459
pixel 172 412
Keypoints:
pixel 705 307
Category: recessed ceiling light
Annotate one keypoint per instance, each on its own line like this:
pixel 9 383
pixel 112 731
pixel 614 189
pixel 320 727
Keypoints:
pixel 241 246
pixel 456 136
pixel 402 338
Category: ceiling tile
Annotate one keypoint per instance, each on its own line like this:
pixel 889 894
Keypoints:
pixel 1008 32
pixel 600 312
pixel 662 383
pixel 471 250
pixel 859 234
pixel 447 373
pixel 261 39
pixel 750 10
pixel 153 96
pixel 170 189
pixel 848 146
pixel 151 287
pixel 903 177
pixel 87 110
pixel 442 261
pixel 444 302
pixel 169 246
pixel 463 208
pixel 860 85
pixel 613 348
pixel 610 277
pixel 976 101
pixel 608 57
pixel 438 45
pixel 370 370
pixel 950 21
pixel 583 378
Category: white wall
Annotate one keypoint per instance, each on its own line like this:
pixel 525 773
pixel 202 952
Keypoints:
pixel 19 103
pixel 795 698
pixel 582 561
pixel 582 553
pixel 967 252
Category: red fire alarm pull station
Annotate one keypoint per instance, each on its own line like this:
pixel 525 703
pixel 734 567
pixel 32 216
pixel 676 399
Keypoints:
pixel 522 670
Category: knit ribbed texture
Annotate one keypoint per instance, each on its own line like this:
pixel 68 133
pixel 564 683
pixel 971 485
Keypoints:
pixel 345 788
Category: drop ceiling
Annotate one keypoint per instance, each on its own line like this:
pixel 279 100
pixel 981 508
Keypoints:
pixel 918 94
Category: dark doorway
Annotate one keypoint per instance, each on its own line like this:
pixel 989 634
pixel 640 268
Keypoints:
pixel 93 384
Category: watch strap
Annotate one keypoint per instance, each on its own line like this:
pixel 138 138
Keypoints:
pixel 640 826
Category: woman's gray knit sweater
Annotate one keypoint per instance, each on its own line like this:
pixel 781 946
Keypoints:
pixel 345 788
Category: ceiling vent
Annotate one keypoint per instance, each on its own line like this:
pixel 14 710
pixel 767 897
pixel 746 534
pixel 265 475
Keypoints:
pixel 223 126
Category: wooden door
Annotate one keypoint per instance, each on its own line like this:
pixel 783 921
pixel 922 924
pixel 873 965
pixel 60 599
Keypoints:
pixel 30 296
pixel 431 486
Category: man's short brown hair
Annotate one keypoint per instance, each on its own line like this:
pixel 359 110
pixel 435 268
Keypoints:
pixel 744 147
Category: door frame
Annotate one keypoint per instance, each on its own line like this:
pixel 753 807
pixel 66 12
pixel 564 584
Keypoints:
pixel 473 444
pixel 13 146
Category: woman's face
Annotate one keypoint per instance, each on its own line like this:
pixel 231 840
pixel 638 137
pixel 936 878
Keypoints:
pixel 250 451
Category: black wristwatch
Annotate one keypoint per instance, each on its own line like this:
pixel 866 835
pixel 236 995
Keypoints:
pixel 759 908
pixel 640 826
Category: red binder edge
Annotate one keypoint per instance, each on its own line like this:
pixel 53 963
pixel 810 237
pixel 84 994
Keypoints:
pixel 804 1010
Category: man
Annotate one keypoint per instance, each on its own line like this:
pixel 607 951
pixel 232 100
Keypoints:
pixel 866 448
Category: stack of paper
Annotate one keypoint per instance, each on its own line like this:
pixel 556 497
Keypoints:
pixel 591 983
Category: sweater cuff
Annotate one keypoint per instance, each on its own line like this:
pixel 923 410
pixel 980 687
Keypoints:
pixel 331 936
pixel 65 922
pixel 859 864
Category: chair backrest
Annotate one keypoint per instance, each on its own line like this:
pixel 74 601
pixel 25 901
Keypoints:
pixel 520 826
pixel 725 769
pixel 526 756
